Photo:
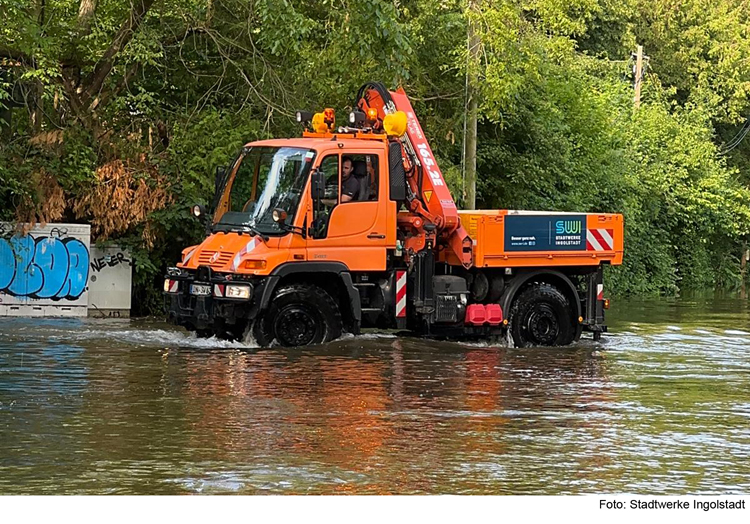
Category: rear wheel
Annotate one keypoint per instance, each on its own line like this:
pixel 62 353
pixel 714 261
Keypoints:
pixel 541 316
pixel 299 315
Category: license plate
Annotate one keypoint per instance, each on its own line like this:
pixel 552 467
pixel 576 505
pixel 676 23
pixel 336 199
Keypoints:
pixel 200 289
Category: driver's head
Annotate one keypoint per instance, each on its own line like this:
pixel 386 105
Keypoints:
pixel 347 166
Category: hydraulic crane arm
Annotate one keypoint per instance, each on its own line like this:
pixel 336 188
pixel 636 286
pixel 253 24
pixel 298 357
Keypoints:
pixel 429 195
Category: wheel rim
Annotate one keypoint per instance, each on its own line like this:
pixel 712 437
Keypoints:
pixel 542 325
pixel 296 326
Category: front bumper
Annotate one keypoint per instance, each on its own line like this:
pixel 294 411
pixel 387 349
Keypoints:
pixel 208 312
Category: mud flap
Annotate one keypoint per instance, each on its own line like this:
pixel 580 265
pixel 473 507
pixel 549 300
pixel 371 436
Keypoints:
pixel 594 320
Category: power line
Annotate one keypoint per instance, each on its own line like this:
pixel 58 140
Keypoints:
pixel 737 139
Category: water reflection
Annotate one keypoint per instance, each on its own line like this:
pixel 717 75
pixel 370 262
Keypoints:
pixel 136 407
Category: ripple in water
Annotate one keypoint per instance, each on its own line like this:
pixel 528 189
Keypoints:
pixel 658 407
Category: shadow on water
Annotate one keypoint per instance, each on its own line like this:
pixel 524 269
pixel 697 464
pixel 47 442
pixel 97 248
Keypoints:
pixel 123 406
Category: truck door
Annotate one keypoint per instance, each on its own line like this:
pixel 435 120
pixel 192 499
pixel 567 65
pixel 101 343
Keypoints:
pixel 349 225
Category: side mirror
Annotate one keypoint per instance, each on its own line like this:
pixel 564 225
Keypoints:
pixel 318 185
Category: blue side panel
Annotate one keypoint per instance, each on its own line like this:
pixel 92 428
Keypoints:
pixel 545 233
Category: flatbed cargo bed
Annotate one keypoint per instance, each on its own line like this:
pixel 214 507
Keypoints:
pixel 507 238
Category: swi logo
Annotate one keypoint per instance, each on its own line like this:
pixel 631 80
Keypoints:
pixel 568 227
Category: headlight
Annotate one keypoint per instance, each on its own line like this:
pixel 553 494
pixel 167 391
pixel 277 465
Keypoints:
pixel 237 291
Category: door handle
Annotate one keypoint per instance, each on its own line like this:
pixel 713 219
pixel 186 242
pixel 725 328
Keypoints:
pixel 375 236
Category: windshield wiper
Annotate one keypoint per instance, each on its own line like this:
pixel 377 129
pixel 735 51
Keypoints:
pixel 227 228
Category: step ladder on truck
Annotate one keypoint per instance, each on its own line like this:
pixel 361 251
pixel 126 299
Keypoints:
pixel 354 226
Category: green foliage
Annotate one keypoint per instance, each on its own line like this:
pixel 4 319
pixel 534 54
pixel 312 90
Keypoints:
pixel 557 129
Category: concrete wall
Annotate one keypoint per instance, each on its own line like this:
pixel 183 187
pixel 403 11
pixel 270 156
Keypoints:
pixel 53 271
pixel 110 282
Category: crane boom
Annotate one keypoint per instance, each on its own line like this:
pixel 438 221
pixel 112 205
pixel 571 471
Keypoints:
pixel 431 197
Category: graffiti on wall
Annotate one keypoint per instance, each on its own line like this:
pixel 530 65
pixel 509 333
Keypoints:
pixel 109 261
pixel 52 267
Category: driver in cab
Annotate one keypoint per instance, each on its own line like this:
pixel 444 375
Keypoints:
pixel 349 183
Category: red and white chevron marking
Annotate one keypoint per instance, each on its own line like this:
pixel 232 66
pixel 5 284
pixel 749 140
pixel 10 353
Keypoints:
pixel 244 251
pixel 400 294
pixel 599 240
pixel 189 255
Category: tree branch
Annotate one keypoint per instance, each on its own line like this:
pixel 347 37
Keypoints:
pixel 112 93
pixel 12 54
pixel 122 38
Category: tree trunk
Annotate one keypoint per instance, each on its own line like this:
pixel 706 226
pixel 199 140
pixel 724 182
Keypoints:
pixel 86 12
pixel 743 270
pixel 37 109
pixel 472 90
pixel 6 122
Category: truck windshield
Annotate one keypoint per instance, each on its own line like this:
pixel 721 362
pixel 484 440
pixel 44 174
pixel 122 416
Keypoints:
pixel 266 178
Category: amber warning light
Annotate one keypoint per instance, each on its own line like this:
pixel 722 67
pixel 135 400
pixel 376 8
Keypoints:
pixel 394 124
pixel 318 123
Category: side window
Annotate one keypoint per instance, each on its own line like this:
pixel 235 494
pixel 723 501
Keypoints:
pixel 329 166
pixel 359 178
pixel 373 176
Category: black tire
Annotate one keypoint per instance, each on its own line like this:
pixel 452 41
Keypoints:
pixel 299 315
pixel 204 333
pixel 541 316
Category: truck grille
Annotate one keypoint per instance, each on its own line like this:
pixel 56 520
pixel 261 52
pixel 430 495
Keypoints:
pixel 447 308
pixel 221 260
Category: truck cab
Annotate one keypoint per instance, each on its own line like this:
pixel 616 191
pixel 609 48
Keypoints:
pixel 274 176
pixel 353 227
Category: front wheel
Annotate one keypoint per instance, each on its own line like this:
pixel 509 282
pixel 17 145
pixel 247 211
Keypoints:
pixel 299 315
pixel 541 316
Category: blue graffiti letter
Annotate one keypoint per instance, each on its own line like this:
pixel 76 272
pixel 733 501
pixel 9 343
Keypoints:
pixel 7 264
pixel 52 258
pixel 29 278
pixel 78 274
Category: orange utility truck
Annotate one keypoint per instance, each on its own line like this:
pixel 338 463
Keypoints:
pixel 354 226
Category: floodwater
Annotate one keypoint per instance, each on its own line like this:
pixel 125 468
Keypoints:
pixel 660 406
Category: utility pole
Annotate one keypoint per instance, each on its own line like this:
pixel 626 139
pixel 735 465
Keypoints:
pixel 743 269
pixel 638 76
pixel 472 91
